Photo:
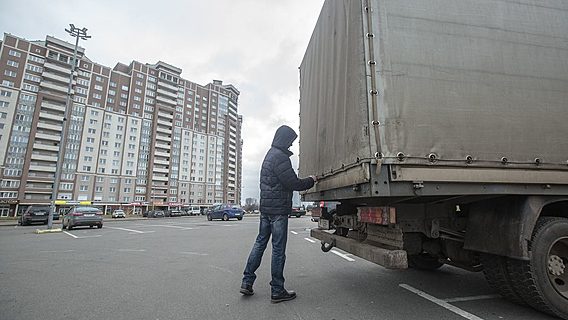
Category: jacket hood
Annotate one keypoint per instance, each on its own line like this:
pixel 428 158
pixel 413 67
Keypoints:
pixel 284 137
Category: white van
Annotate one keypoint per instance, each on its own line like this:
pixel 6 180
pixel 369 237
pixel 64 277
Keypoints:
pixel 193 211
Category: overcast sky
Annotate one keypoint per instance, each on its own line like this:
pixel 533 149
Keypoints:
pixel 256 45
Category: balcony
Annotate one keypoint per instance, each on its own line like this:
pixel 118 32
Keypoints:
pixel 42 168
pixel 55 87
pixel 160 178
pixel 161 162
pixel 164 130
pixel 42 157
pixel 164 123
pixel 167 93
pixel 48 75
pixel 47 105
pixel 49 116
pixel 166 115
pixel 163 146
pixel 171 103
pixel 42 125
pixel 163 138
pixel 55 67
pixel 50 137
pixel 162 83
pixel 46 147
pixel 161 170
pixel 161 154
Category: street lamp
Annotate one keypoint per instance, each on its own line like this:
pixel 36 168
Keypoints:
pixel 78 34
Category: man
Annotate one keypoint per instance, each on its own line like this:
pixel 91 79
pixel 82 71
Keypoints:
pixel 277 183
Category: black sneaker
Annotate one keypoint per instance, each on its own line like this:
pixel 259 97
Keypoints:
pixel 284 296
pixel 246 289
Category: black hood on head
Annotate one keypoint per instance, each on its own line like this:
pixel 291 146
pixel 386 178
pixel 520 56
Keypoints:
pixel 284 137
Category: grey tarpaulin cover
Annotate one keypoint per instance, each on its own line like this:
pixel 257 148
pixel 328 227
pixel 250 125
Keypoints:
pixel 454 78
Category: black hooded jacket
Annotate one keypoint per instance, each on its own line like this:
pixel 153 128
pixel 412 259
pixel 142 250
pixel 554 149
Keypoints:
pixel 277 178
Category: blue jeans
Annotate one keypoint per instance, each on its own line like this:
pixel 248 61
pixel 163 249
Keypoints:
pixel 277 226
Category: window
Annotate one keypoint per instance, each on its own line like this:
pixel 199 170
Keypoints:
pixel 10 73
pixel 30 87
pixel 98 87
pixel 33 68
pixel 125 88
pixel 31 77
pixel 12 63
pixel 14 53
pixel 7 83
pixel 4 93
pixel 36 59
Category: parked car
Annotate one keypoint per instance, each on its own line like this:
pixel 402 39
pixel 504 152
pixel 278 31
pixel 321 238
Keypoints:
pixel 82 216
pixel 194 211
pixel 118 213
pixel 35 214
pixel 297 212
pixel 225 212
pixel 174 213
pixel 156 214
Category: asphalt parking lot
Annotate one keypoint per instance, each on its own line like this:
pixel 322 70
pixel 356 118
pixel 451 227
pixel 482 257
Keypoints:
pixel 190 268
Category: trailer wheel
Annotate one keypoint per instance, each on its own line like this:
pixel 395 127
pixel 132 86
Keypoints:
pixel 498 278
pixel 424 261
pixel 542 281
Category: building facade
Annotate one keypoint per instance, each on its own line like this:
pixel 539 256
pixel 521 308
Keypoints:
pixel 138 135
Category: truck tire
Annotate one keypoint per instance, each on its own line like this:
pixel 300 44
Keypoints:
pixel 542 281
pixel 424 261
pixel 498 277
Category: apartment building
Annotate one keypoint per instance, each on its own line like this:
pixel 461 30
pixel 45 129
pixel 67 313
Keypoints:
pixel 138 135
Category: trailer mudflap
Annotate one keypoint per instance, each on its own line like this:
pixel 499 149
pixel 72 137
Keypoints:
pixel 390 259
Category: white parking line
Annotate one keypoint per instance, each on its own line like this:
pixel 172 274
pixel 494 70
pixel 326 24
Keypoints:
pixel 57 251
pixel 473 298
pixel 195 253
pixel 131 250
pixel 344 256
pixel 309 240
pixel 168 226
pixel 129 230
pixel 294 232
pixel 440 302
pixel 76 237
pixel 69 234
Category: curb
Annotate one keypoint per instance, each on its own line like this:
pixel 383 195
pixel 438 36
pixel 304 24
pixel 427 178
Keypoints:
pixel 38 231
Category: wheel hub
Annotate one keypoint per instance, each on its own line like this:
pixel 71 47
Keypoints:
pixel 555 265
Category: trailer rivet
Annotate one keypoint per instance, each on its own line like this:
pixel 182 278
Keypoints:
pixel 370 35
pixel 376 123
pixel 432 157
pixel 372 62
pixel 400 156
pixel 504 160
pixel 469 159
pixel 374 92
pixel 537 161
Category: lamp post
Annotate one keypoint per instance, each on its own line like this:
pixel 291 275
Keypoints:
pixel 78 34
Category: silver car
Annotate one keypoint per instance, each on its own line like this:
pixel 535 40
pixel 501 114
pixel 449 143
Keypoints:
pixel 83 216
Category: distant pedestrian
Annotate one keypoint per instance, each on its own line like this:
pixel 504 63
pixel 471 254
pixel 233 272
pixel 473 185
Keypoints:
pixel 277 183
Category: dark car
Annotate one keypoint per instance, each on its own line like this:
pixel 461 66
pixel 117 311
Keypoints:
pixel 82 216
pixel 297 212
pixel 225 212
pixel 35 214
pixel 156 214
pixel 174 213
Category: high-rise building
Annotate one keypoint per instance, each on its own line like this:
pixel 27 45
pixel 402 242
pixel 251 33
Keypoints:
pixel 138 135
